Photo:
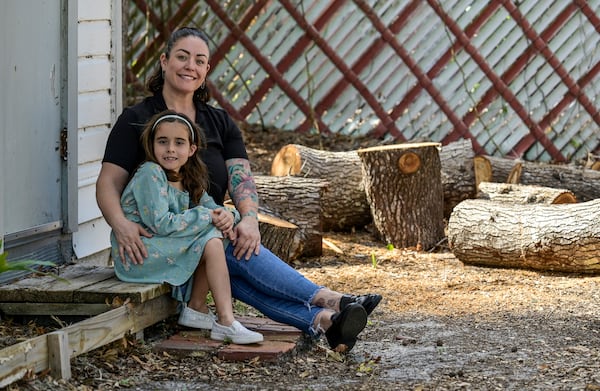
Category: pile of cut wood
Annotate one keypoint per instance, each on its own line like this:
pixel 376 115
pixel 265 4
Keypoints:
pixel 499 211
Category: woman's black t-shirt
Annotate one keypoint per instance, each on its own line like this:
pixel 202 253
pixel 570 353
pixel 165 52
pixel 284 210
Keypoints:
pixel 223 140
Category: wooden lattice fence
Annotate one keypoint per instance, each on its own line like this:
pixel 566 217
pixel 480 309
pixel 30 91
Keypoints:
pixel 518 78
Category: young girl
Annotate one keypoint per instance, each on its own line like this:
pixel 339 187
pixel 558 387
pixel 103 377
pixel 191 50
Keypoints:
pixel 167 196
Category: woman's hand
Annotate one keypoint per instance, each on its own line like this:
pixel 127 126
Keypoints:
pixel 128 235
pixel 109 186
pixel 247 241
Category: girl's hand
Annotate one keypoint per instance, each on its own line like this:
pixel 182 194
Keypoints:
pixel 223 220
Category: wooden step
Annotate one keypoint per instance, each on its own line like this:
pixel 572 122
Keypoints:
pixel 80 290
pixel 114 309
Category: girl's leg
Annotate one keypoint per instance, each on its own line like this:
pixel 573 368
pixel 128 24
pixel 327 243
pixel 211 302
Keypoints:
pixel 226 327
pixel 199 290
pixel 217 276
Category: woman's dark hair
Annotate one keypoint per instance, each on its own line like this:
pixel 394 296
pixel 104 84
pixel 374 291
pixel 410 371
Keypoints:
pixel 194 173
pixel 156 81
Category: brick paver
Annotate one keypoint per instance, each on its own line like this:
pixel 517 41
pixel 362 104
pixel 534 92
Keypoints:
pixel 279 340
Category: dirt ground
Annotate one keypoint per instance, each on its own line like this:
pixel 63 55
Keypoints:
pixel 442 325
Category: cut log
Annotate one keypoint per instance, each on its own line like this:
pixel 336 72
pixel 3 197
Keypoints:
pixel 344 206
pixel 298 201
pixel 458 173
pixel 404 189
pixel 564 237
pixel 583 182
pixel 276 234
pixel 524 194
pixel 483 170
pixel 279 236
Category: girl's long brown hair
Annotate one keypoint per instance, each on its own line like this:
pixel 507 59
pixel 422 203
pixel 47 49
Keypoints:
pixel 193 174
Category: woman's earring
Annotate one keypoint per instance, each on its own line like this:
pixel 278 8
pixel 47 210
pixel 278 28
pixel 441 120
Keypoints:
pixel 163 74
pixel 203 85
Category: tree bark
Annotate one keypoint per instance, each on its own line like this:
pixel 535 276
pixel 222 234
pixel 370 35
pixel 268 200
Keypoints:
pixel 297 200
pixel 524 194
pixel 276 234
pixel 345 205
pixel 564 237
pixel 404 188
pixel 583 182
pixel 483 170
pixel 279 236
pixel 458 173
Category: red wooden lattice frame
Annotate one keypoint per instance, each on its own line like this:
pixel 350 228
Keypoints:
pixel 388 37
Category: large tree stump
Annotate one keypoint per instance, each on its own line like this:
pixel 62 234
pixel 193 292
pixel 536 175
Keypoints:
pixel 563 237
pixel 524 194
pixel 345 205
pixel 297 200
pixel 404 188
pixel 583 182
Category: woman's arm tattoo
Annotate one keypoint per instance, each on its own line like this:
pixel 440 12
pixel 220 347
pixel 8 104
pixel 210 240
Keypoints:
pixel 242 188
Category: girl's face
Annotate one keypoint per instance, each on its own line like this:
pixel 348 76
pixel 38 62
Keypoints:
pixel 172 147
pixel 187 66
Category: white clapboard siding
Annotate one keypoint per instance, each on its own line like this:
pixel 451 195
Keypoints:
pixel 94 10
pixel 96 113
pixel 94 109
pixel 88 209
pixel 94 38
pixel 94 74
pixel 90 148
pixel 91 238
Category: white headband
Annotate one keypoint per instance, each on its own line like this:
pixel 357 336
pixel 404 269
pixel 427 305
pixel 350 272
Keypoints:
pixel 175 116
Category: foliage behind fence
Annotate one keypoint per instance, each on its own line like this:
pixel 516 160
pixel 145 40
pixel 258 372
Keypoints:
pixel 518 78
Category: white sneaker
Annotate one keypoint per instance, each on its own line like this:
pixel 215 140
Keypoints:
pixel 235 333
pixel 195 319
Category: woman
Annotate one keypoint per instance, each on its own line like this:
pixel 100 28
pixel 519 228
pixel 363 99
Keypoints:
pixel 258 277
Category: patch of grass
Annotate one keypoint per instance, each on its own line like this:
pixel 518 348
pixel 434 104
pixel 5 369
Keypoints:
pixel 373 261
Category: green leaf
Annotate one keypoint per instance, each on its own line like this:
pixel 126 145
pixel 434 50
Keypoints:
pixel 26 265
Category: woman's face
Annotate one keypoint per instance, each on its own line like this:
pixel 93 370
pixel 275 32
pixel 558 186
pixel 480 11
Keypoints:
pixel 187 66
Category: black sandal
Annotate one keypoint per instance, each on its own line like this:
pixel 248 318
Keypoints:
pixel 368 301
pixel 345 327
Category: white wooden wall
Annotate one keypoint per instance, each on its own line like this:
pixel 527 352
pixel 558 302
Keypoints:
pixel 99 102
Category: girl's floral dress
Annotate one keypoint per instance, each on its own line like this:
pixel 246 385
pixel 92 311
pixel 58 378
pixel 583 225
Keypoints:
pixel 179 231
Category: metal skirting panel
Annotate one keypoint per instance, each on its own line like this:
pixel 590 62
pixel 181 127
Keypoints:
pixel 47 245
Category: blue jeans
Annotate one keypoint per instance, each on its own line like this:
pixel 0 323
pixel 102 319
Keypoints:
pixel 274 288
